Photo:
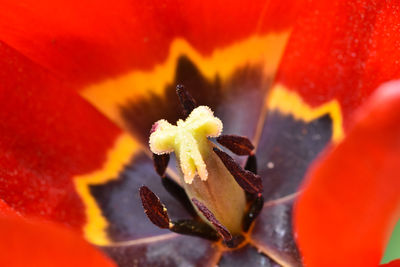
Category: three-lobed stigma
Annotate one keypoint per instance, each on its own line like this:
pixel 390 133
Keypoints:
pixel 212 184
pixel 188 139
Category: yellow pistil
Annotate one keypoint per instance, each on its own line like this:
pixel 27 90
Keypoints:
pixel 204 175
pixel 186 139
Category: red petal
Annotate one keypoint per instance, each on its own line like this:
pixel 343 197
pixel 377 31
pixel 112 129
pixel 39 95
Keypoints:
pixel 395 263
pixel 351 200
pixel 88 41
pixel 48 135
pixel 6 210
pixel 342 50
pixel 32 243
pixel 123 56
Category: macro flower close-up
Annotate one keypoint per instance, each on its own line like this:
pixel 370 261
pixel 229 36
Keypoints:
pixel 199 133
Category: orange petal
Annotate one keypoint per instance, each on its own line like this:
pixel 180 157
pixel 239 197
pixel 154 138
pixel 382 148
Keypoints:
pixel 351 199
pixel 34 243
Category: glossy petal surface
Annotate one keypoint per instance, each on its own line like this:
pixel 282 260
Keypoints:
pixel 273 232
pixel 353 205
pixel 35 243
pixel 286 149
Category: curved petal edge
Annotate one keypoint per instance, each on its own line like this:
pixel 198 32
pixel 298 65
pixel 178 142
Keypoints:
pixel 45 244
pixel 350 201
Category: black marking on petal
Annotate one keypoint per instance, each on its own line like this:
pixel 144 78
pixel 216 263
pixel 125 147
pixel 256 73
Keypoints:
pixel 240 145
pixel 249 181
pixel 177 250
pixel 254 210
pixel 140 113
pixel 225 234
pixel 160 163
pixel 274 229
pixel 245 89
pixel 194 228
pixel 286 149
pixel 246 256
pixel 154 209
pixel 120 203
pixel 179 194
pixel 185 98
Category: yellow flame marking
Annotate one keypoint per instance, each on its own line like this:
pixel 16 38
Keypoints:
pixel 120 155
pixel 289 102
pixel 111 94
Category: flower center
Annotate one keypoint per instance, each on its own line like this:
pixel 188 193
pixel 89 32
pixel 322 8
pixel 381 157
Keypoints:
pixel 205 176
pixel 214 185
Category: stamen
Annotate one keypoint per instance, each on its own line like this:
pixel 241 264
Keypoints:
pixel 249 181
pixel 154 209
pixel 251 164
pixel 160 163
pixel 225 234
pixel 239 145
pixel 195 228
pixel 253 212
pixel 187 101
pixel 179 194
pixel 158 215
pixel 204 175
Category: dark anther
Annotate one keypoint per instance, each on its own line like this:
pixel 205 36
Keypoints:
pixel 251 164
pixel 158 215
pixel 254 210
pixel 195 228
pixel 249 181
pixel 239 145
pixel 235 241
pixel 160 163
pixel 179 194
pixel 225 234
pixel 187 101
pixel 153 208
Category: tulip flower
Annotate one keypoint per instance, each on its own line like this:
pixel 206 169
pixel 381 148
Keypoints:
pixel 309 83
